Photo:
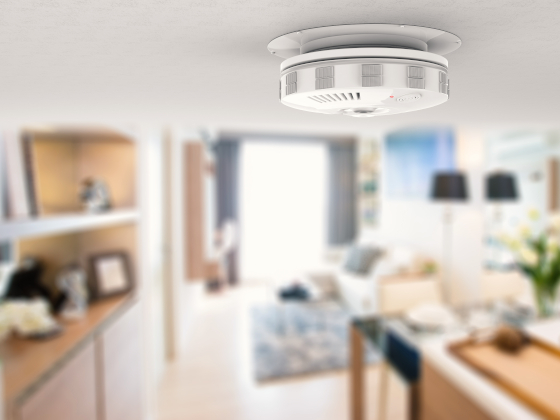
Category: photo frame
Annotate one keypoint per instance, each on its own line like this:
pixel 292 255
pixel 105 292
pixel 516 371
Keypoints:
pixel 111 274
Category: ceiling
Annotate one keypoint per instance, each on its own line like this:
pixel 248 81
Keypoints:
pixel 205 62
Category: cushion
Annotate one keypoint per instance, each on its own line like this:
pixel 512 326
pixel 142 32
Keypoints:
pixel 360 259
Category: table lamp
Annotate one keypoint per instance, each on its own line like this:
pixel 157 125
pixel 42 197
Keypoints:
pixel 448 187
pixel 500 187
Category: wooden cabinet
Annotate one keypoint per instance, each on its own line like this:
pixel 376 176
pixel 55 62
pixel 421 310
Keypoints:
pixel 69 394
pixel 119 352
pixel 100 380
pixel 440 400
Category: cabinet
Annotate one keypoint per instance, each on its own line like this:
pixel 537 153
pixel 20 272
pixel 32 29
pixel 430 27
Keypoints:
pixel 95 369
pixel 119 350
pixel 102 380
pixel 69 394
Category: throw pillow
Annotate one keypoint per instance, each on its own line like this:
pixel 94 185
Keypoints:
pixel 360 259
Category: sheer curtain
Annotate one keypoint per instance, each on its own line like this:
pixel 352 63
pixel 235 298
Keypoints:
pixel 283 208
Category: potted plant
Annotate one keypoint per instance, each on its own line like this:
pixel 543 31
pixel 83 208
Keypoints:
pixel 538 256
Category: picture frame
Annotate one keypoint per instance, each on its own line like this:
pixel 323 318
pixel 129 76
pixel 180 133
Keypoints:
pixel 110 274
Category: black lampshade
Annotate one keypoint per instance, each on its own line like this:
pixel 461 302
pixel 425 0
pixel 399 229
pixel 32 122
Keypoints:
pixel 449 186
pixel 501 187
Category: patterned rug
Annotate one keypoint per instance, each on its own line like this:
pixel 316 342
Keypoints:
pixel 300 338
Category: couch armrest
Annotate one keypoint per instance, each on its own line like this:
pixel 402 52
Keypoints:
pixel 400 296
pixel 405 278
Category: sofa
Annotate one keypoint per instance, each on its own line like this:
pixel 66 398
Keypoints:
pixel 394 283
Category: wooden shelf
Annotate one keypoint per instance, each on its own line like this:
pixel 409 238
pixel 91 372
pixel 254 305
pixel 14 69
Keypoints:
pixel 26 363
pixel 64 223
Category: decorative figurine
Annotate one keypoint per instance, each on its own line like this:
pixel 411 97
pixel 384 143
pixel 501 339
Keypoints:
pixel 72 283
pixel 94 195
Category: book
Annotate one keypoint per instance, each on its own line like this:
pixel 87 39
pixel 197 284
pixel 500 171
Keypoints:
pixel 3 185
pixel 29 167
pixel 17 195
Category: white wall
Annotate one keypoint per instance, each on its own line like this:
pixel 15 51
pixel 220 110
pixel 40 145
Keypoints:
pixel 419 223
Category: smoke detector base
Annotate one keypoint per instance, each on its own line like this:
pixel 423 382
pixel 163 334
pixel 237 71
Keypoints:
pixel 364 70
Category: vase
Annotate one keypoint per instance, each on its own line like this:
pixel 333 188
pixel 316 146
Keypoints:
pixel 545 299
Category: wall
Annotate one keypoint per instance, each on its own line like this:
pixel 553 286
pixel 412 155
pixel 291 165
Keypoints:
pixel 419 223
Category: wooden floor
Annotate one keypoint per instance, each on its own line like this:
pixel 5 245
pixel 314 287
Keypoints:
pixel 213 379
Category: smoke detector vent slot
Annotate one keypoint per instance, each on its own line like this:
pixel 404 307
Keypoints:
pixel 324 77
pixel 416 83
pixel 416 72
pixel 324 72
pixel 291 83
pixel 372 69
pixel 443 83
pixel 372 75
pixel 372 81
pixel 324 83
pixel 335 97
pixel 291 78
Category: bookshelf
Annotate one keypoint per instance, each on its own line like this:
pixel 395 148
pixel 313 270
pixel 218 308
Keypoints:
pixel 64 223
pixel 58 231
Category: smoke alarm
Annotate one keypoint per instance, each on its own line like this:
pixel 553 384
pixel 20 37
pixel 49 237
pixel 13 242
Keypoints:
pixel 364 70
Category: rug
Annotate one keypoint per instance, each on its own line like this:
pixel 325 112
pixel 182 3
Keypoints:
pixel 300 338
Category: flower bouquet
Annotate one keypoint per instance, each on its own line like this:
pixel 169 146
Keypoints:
pixel 537 255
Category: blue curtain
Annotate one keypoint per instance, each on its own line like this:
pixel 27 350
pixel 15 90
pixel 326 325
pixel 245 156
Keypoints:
pixel 227 180
pixel 342 193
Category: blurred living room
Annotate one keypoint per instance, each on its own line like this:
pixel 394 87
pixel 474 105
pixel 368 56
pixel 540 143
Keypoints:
pixel 260 211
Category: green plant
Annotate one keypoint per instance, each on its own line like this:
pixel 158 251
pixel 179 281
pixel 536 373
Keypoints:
pixel 429 267
pixel 538 257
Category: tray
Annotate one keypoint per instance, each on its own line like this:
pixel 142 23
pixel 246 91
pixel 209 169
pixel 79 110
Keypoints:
pixel 532 375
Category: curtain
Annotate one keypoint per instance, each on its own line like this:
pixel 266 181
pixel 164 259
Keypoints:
pixel 342 193
pixel 227 180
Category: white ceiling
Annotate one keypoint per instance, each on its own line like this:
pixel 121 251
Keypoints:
pixel 205 62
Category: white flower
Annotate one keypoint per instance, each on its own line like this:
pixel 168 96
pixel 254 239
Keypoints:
pixel 528 256
pixel 534 214
pixel 524 230
pixel 551 244
pixel 25 317
pixel 509 241
pixel 555 222
pixel 514 244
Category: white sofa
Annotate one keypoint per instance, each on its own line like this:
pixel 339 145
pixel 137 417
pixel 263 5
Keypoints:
pixel 393 284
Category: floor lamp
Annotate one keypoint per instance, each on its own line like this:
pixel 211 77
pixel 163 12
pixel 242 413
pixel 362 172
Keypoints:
pixel 500 187
pixel 448 187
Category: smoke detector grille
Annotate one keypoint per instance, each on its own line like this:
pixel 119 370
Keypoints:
pixel 291 83
pixel 372 75
pixel 372 81
pixel 324 77
pixel 443 87
pixel 324 83
pixel 416 83
pixel 324 72
pixel 336 97
pixel 416 72
pixel 372 69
